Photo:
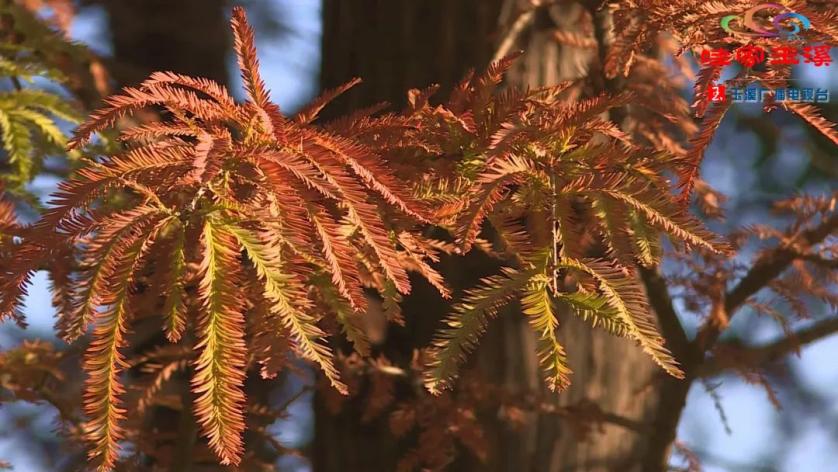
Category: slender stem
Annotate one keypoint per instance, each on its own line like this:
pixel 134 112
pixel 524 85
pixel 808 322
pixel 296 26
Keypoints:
pixel 305 389
pixel 554 230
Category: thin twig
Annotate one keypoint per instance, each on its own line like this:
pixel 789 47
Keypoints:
pixel 287 403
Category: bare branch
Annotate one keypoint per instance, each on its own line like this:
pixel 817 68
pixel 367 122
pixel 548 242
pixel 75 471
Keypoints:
pixel 670 325
pixel 773 264
pixel 820 261
pixel 673 392
pixel 591 411
pixel 523 20
pixel 739 357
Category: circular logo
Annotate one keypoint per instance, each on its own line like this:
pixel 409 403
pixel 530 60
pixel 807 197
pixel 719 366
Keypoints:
pixel 786 24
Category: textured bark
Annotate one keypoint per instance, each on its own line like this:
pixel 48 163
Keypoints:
pixel 191 37
pixel 395 45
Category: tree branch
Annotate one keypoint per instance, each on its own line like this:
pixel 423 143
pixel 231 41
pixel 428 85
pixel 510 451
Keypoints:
pixel 821 261
pixel 764 270
pixel 518 26
pixel 592 412
pixel 658 294
pixel 673 392
pixel 739 357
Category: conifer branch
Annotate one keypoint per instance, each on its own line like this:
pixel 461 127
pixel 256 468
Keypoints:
pixel 220 367
pixel 627 299
pixel 467 323
pixel 271 228
pixel 538 306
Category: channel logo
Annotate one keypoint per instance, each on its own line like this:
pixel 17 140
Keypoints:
pixel 786 24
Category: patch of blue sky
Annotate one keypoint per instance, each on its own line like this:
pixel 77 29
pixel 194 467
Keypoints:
pixel 816 367
pixel 751 417
pixel 290 63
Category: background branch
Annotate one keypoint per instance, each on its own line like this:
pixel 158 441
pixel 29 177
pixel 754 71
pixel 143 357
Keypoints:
pixel 673 392
pixel 764 270
pixel 744 357
pixel 522 21
pixel 676 339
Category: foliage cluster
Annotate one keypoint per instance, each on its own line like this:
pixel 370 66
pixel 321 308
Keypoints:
pixel 252 237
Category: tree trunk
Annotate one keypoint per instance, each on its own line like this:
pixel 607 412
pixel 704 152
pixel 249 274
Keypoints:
pixel 394 45
pixel 190 37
